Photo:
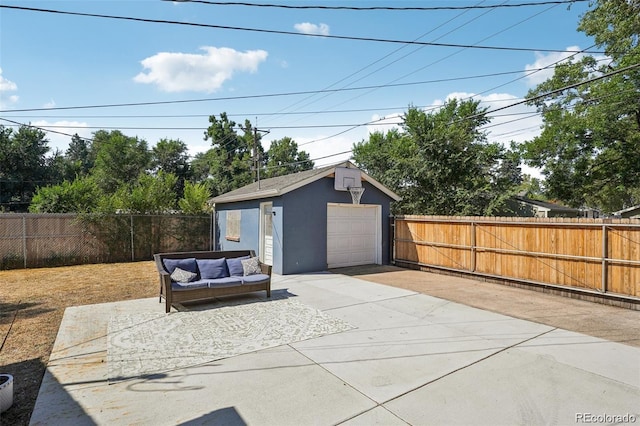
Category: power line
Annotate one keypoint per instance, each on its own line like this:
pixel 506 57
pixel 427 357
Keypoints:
pixel 266 95
pixel 525 100
pixel 281 32
pixel 372 8
pixel 377 61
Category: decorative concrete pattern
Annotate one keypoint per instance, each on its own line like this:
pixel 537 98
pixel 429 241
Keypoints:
pixel 148 343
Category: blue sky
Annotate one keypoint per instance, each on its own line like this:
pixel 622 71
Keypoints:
pixel 50 61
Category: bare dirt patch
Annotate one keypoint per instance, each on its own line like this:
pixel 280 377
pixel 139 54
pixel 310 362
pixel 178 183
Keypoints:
pixel 32 303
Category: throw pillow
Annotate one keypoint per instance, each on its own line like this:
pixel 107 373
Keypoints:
pixel 235 266
pixel 182 276
pixel 212 268
pixel 188 264
pixel 251 266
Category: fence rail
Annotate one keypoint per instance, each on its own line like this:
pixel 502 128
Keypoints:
pixel 599 255
pixel 39 240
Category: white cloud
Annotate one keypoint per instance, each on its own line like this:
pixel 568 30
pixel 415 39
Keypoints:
pixel 50 104
pixel 549 60
pixel 309 28
pixel 7 86
pixel 179 72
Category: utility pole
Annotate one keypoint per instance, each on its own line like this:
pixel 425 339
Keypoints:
pixel 256 153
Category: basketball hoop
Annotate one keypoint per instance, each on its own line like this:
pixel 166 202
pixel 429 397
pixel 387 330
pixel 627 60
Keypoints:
pixel 356 193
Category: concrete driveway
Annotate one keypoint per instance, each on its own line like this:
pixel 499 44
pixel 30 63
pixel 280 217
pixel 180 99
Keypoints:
pixel 411 358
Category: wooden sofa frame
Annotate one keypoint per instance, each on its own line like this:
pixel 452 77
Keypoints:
pixel 171 296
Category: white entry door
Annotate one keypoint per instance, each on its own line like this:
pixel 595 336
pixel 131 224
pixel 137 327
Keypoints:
pixel 354 235
pixel 266 233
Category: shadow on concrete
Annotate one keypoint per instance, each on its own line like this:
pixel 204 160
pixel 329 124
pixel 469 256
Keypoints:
pixel 24 395
pixel 228 416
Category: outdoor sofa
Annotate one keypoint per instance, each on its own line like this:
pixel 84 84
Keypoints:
pixel 201 275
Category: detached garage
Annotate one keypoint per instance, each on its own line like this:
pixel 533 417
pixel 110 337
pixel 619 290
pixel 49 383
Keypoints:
pixel 329 217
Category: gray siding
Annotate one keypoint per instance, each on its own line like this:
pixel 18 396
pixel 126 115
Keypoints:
pixel 305 224
pixel 249 226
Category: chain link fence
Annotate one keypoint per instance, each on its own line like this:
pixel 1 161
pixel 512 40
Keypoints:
pixel 44 240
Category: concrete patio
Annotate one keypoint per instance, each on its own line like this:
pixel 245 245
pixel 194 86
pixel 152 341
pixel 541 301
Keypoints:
pixel 410 359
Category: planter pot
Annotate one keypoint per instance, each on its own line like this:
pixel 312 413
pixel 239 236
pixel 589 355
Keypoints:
pixel 6 392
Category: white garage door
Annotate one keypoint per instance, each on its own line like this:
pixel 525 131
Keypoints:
pixel 353 235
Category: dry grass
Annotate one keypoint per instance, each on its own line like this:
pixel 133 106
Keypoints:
pixel 32 303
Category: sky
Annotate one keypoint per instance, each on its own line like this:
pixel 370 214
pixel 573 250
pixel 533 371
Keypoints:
pixel 326 78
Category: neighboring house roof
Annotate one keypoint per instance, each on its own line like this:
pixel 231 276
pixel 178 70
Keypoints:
pixel 280 185
pixel 631 212
pixel 546 205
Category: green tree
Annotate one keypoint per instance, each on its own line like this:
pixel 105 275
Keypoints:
pixel 441 162
pixel 78 157
pixel 283 158
pixel 172 156
pixel 79 196
pixel 23 165
pixel 229 164
pixel 588 148
pixel 194 201
pixel 147 195
pixel 119 159
pixel 391 158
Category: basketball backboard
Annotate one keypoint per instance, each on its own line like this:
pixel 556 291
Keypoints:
pixel 346 178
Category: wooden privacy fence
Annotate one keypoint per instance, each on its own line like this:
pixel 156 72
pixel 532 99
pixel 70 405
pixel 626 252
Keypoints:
pixel 39 240
pixel 598 255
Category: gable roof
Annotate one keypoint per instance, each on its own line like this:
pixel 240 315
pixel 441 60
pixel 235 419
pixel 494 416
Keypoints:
pixel 280 185
pixel 628 211
pixel 545 205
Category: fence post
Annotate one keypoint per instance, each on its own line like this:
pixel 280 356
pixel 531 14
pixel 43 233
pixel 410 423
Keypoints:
pixel 133 250
pixel 604 258
pixel 24 240
pixel 392 239
pixel 473 246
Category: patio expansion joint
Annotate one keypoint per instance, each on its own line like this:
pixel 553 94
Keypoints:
pixel 376 404
pixel 366 302
pixel 506 348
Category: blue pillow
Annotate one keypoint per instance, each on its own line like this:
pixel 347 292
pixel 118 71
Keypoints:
pixel 212 268
pixel 235 266
pixel 188 264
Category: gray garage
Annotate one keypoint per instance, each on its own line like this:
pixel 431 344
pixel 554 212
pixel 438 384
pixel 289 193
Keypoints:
pixel 308 221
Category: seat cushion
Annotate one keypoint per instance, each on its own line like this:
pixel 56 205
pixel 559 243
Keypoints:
pixel 189 286
pixel 212 268
pixel 254 279
pixel 224 282
pixel 235 266
pixel 188 264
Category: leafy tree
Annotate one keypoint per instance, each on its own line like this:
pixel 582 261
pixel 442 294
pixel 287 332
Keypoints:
pixel 284 158
pixel 230 160
pixel 119 160
pixel 23 165
pixel 588 148
pixel 172 156
pixel 79 196
pixel 441 162
pixel 391 158
pixel 195 199
pixel 532 187
pixel 78 157
pixel 147 195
